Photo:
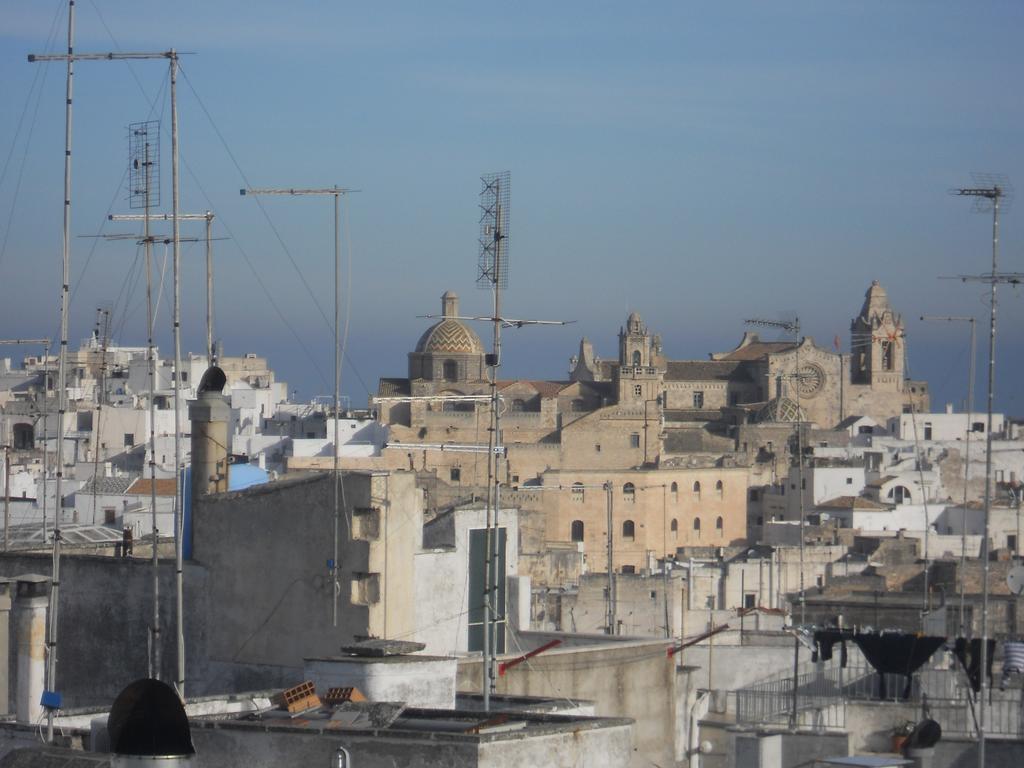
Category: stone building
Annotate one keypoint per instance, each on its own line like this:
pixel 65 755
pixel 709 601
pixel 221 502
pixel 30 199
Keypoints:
pixel 639 419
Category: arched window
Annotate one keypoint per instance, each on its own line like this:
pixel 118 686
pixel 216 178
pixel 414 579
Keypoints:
pixel 674 490
pixel 577 493
pixel 674 528
pixel 636 357
pixel 451 370
pixel 628 530
pixel 719 488
pixel 696 527
pixel 887 356
pixel 719 525
pixel 629 492
pixel 576 530
pixel 518 406
pixel 900 494
pixel 696 487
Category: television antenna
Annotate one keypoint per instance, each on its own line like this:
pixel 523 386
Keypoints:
pixel 54 600
pixel 336 193
pixel 967 451
pixel 208 217
pixel 991 192
pixel 793 327
pixel 144 190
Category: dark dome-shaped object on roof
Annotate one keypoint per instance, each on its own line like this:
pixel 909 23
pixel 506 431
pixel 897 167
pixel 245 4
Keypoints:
pixel 148 719
pixel 213 380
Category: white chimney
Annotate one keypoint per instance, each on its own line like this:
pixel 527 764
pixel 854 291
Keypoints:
pixel 30 645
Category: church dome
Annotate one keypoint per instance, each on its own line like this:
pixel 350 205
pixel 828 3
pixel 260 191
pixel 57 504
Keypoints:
pixel 449 336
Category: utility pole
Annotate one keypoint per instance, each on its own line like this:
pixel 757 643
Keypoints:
pixel 995 190
pixel 69 58
pixel 336 193
pixel 967 456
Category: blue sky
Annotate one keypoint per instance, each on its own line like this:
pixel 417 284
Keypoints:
pixel 697 162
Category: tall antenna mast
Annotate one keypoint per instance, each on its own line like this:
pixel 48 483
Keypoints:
pixel 990 191
pixel 967 453
pixel 144 177
pixel 102 339
pixel 492 264
pixel 793 327
pixel 336 192
pixel 208 217
pixel 69 58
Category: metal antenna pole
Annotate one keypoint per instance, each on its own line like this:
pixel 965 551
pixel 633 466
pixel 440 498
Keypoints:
pixel 793 326
pixel 967 460
pixel 991 194
pixel 210 355
pixel 208 217
pixel 70 57
pixel 335 192
pixel 610 600
pixel 179 522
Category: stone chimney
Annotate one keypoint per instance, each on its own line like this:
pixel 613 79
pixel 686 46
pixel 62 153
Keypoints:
pixel 210 414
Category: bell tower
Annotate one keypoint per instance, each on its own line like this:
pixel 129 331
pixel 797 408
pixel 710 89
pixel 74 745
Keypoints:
pixel 635 348
pixel 877 343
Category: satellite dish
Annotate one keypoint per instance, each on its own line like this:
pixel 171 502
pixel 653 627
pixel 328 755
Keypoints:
pixel 1015 580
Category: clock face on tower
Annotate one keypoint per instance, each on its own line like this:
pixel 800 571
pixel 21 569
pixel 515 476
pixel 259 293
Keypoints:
pixel 811 380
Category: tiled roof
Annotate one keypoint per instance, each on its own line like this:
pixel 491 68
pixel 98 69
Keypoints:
pixel 144 486
pixel 111 486
pixel 706 370
pixel 757 350
pixel 852 502
pixel 393 388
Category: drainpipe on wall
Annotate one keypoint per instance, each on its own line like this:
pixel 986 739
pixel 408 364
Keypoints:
pixel 30 645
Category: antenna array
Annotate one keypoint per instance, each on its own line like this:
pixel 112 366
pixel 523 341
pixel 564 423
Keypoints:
pixel 494 230
pixel 144 164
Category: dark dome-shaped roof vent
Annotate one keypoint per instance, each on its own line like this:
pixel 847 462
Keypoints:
pixel 148 719
pixel 213 380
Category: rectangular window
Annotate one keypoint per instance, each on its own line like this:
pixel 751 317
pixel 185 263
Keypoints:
pixel 698 399
pixel 629 569
pixel 978 426
pixel 109 515
pixel 750 601
pixel 753 494
pixel 849 481
pixel 365 588
pixel 638 390
pixel 129 440
pixel 366 523
pixel 455 474
pixel 634 440
pixel 927 430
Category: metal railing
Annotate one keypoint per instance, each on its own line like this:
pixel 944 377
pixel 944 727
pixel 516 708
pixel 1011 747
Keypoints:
pixel 824 690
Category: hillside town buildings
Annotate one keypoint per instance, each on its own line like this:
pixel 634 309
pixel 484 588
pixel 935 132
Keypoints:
pixel 663 529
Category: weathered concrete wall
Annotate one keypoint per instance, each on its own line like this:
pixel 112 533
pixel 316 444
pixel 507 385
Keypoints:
pixel 764 749
pixel 633 679
pixel 237 746
pixel 106 606
pixel 267 549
